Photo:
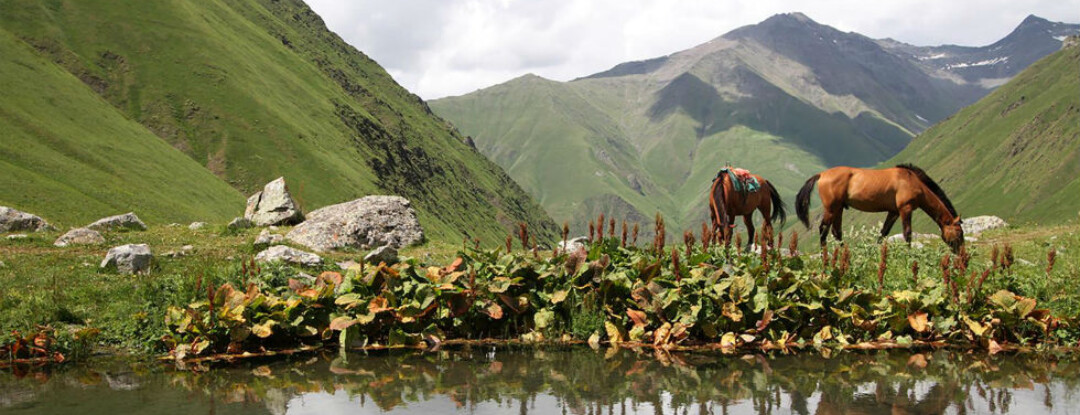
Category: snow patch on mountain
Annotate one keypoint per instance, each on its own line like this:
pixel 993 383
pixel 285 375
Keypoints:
pixel 987 62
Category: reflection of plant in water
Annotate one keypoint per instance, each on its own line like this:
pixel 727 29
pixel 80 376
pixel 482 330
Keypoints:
pixel 580 379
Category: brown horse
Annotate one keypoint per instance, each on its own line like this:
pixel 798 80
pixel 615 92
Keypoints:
pixel 725 203
pixel 898 191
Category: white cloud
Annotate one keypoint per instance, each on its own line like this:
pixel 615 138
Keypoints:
pixel 437 48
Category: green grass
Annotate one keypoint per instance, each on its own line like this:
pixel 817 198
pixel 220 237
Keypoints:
pixel 248 90
pixel 69 156
pixel 63 287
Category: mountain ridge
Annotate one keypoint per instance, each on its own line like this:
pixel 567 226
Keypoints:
pixel 648 134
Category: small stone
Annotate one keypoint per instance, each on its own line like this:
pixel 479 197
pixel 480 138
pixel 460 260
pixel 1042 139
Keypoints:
pixel 13 237
pixel 196 225
pixel 240 223
pixel 914 235
pixel 267 238
pixel 385 254
pixel 348 264
pixel 291 255
pixel 80 236
pixel 128 259
pixel 126 221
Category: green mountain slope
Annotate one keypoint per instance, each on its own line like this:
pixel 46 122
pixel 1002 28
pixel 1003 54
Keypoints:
pixel 784 98
pixel 255 89
pixel 649 136
pixel 1016 152
pixel 68 155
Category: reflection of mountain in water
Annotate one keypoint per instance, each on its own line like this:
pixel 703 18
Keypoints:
pixel 577 381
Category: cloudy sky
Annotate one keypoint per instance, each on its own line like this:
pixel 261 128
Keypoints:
pixel 438 48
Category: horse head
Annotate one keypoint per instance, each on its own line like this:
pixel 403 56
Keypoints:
pixel 953 234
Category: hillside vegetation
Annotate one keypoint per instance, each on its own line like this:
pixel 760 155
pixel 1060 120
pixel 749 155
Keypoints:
pixel 69 155
pixel 247 89
pixel 785 98
pixel 1015 153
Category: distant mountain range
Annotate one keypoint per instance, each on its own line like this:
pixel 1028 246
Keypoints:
pixel 786 97
pixel 179 109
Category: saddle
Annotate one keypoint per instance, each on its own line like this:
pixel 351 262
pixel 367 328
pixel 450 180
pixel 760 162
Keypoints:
pixel 741 179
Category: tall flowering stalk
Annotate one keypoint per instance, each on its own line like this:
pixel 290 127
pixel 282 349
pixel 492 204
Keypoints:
pixel 623 242
pixel 881 267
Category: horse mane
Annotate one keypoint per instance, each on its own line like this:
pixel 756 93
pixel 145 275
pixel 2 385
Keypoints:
pixel 930 184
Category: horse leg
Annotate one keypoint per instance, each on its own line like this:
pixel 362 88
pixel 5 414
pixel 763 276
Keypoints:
pixel 749 221
pixel 905 219
pixel 887 227
pixel 766 226
pixel 838 226
pixel 823 229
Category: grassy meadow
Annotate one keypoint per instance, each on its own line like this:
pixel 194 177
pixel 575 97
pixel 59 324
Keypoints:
pixel 702 296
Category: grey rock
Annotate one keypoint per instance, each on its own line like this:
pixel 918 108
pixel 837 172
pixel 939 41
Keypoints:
pixel 196 225
pixel 128 259
pixel 283 253
pixel 240 223
pixel 273 206
pixel 574 244
pixel 267 238
pixel 914 235
pixel 362 223
pixel 385 253
pixel 12 220
pixel 756 249
pixel 80 236
pixel 126 221
pixel 183 251
pixel 348 264
pixel 16 236
pixel 978 224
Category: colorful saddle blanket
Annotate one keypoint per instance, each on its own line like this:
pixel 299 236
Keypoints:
pixel 741 179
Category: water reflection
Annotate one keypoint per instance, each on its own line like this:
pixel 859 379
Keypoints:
pixel 564 380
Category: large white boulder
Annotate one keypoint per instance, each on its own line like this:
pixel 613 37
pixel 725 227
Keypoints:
pixel 976 225
pixel 363 223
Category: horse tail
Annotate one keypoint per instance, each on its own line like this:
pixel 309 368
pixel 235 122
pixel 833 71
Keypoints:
pixel 716 202
pixel 779 212
pixel 802 200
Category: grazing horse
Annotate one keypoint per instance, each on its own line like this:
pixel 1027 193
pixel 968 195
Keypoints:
pixel 898 190
pixel 725 203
